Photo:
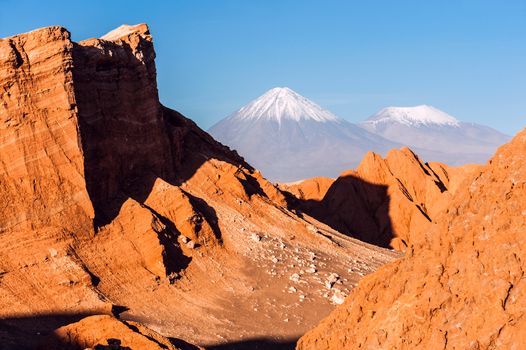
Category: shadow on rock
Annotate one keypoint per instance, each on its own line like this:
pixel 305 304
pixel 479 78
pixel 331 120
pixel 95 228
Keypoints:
pixel 255 344
pixel 354 207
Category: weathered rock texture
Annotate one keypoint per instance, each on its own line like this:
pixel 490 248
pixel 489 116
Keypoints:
pixel 106 332
pixel 384 201
pixel 113 203
pixel 460 286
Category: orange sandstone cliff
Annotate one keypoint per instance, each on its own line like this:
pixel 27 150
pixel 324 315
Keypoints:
pixel 385 201
pixel 114 204
pixel 460 285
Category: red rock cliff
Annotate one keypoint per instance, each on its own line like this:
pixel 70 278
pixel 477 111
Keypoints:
pixel 113 203
pixel 461 286
pixel 384 201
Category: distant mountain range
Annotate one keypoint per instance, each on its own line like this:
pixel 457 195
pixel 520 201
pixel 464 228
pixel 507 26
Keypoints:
pixel 435 134
pixel 289 137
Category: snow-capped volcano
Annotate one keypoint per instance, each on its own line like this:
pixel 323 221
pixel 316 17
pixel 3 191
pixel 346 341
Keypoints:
pixel 289 137
pixel 283 103
pixel 413 116
pixel 436 135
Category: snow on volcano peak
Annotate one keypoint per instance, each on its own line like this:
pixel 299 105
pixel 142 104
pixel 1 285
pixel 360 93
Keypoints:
pixel 413 116
pixel 283 103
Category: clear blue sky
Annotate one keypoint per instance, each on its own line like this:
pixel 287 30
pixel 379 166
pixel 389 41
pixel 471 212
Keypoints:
pixel 352 57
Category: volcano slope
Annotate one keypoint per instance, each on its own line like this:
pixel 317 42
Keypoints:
pixel 385 201
pixel 460 285
pixel 115 204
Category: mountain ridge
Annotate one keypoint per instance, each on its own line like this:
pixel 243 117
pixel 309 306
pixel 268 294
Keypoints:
pixel 422 114
pixel 283 103
pixel 308 142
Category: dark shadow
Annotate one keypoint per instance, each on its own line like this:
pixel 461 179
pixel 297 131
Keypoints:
pixel 116 310
pixel 255 344
pixel 173 257
pixel 251 186
pixel 113 344
pixel 26 333
pixel 127 137
pixel 181 344
pixel 208 212
pixel 353 207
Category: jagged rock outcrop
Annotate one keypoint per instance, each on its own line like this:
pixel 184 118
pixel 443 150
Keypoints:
pixel 385 201
pixel 460 286
pixel 310 189
pixel 115 204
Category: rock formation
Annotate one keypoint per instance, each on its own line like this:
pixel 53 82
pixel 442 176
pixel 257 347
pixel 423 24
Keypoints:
pixel 106 332
pixel 385 201
pixel 460 285
pixel 115 204
pixel 310 189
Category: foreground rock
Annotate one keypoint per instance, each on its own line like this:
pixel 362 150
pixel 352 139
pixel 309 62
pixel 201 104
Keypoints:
pixel 460 286
pixel 115 204
pixel 106 332
pixel 385 201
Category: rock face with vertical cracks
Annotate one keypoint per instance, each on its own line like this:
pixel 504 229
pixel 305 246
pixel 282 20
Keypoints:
pixel 85 141
pixel 460 285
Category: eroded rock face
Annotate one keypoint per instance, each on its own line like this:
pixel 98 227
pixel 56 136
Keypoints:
pixel 384 201
pixel 106 332
pixel 113 203
pixel 40 145
pixel 461 286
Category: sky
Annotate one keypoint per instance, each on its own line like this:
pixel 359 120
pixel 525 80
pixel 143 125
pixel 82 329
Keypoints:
pixel 353 58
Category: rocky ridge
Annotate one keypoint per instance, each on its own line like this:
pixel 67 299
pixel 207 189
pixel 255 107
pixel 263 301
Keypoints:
pixel 385 201
pixel 460 285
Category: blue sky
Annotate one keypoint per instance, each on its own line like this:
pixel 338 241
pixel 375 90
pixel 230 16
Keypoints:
pixel 467 58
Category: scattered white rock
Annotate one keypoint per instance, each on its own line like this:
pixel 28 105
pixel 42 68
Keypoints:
pixel 302 297
pixel 53 252
pixel 331 280
pixel 295 277
pixel 190 244
pixel 292 289
pixel 184 239
pixel 338 297
pixel 274 259
pixel 311 270
pixel 312 228
pixel 255 237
